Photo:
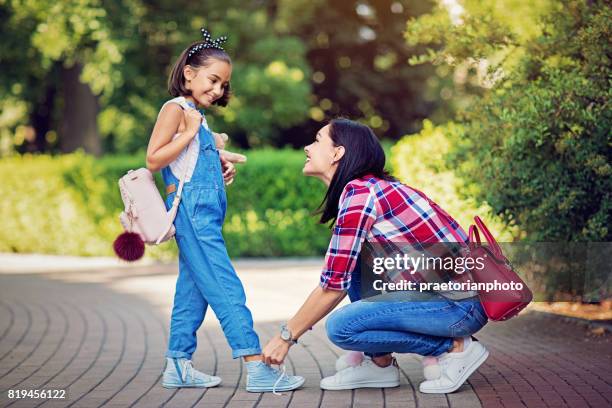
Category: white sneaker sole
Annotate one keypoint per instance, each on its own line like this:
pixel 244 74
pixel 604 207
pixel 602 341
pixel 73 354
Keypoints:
pixel 361 384
pixel 207 385
pixel 277 389
pixel 466 374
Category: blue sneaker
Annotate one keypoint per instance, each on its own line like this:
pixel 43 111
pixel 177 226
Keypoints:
pixel 263 378
pixel 179 373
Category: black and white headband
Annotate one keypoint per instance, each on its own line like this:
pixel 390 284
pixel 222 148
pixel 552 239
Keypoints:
pixel 208 43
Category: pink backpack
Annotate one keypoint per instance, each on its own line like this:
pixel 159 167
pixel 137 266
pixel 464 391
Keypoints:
pixel 145 219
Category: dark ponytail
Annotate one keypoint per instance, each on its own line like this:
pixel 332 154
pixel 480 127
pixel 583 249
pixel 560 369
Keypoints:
pixel 363 155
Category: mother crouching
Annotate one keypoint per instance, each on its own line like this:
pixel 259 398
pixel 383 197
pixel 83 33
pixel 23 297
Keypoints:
pixel 367 206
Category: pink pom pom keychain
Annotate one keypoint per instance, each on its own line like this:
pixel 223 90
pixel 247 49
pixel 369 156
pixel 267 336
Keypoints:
pixel 129 246
pixel 431 368
pixel 354 358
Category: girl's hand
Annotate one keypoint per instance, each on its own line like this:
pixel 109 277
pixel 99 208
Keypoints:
pixel 229 171
pixel 275 351
pixel 193 120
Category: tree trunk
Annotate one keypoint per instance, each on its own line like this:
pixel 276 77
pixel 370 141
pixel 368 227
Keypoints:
pixel 41 119
pixel 79 127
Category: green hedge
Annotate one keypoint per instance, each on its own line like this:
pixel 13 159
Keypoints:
pixel 70 205
pixel 270 206
pixel 420 161
pixel 43 213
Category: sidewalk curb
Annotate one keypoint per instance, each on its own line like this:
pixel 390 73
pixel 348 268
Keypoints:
pixel 42 263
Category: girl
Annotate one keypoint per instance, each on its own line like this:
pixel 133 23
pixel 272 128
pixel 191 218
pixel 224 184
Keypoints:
pixel 201 78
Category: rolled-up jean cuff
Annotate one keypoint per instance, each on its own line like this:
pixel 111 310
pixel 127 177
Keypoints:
pixel 178 354
pixel 444 347
pixel 245 352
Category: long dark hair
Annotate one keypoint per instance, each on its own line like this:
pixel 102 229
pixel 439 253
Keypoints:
pixel 201 58
pixel 363 155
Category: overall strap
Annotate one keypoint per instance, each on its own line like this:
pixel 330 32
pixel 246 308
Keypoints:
pixel 182 102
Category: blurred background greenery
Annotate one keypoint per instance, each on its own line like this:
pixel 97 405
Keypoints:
pixel 496 108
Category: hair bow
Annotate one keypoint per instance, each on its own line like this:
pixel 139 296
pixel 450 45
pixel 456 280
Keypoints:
pixel 208 42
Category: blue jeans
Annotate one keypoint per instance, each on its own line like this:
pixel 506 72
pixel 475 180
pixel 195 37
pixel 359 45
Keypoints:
pixel 403 323
pixel 206 275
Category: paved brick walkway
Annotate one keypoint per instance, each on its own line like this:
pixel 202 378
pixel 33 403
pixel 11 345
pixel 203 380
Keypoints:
pixel 101 335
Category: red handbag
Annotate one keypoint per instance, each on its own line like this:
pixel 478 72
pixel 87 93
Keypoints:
pixel 496 270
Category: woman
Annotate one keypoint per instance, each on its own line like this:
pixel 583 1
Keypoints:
pixel 368 206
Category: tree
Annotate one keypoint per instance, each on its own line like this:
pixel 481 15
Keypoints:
pixel 58 58
pixel 537 144
pixel 359 63
pixel 76 70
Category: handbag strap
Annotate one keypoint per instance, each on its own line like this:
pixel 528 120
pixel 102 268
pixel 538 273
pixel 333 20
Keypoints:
pixel 475 237
pixel 177 198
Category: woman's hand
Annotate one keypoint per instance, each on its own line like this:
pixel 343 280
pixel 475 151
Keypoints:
pixel 318 305
pixel 275 351
pixel 229 170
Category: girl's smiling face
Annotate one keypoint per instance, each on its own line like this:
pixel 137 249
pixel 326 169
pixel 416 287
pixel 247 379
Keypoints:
pixel 208 83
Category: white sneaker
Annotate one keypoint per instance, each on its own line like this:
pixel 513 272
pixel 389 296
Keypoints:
pixel 179 373
pixel 455 369
pixel 365 375
pixel 350 359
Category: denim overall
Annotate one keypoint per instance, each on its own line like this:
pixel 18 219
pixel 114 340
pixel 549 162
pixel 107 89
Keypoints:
pixel 206 275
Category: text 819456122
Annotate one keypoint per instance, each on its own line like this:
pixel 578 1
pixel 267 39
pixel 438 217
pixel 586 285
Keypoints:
pixel 37 394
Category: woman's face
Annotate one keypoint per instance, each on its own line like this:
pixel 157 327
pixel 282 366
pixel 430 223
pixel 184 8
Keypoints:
pixel 207 84
pixel 322 156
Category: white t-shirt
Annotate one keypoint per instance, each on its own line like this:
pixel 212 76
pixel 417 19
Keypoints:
pixel 189 156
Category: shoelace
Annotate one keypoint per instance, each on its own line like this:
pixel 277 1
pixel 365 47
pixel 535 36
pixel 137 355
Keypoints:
pixel 278 380
pixel 187 367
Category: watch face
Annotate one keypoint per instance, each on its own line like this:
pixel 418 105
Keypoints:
pixel 285 334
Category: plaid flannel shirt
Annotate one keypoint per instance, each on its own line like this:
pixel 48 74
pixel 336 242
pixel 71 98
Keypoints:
pixel 386 214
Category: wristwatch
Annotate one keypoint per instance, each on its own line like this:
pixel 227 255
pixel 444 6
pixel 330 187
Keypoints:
pixel 286 335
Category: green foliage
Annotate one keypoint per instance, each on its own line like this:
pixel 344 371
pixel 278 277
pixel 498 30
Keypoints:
pixel 270 208
pixel 536 147
pixel 42 32
pixel 474 29
pixel 271 89
pixel 70 205
pixel 126 48
pixel 42 213
pixel 359 62
pixel 419 161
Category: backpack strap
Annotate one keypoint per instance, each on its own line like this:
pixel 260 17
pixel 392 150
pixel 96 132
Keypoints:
pixel 177 198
